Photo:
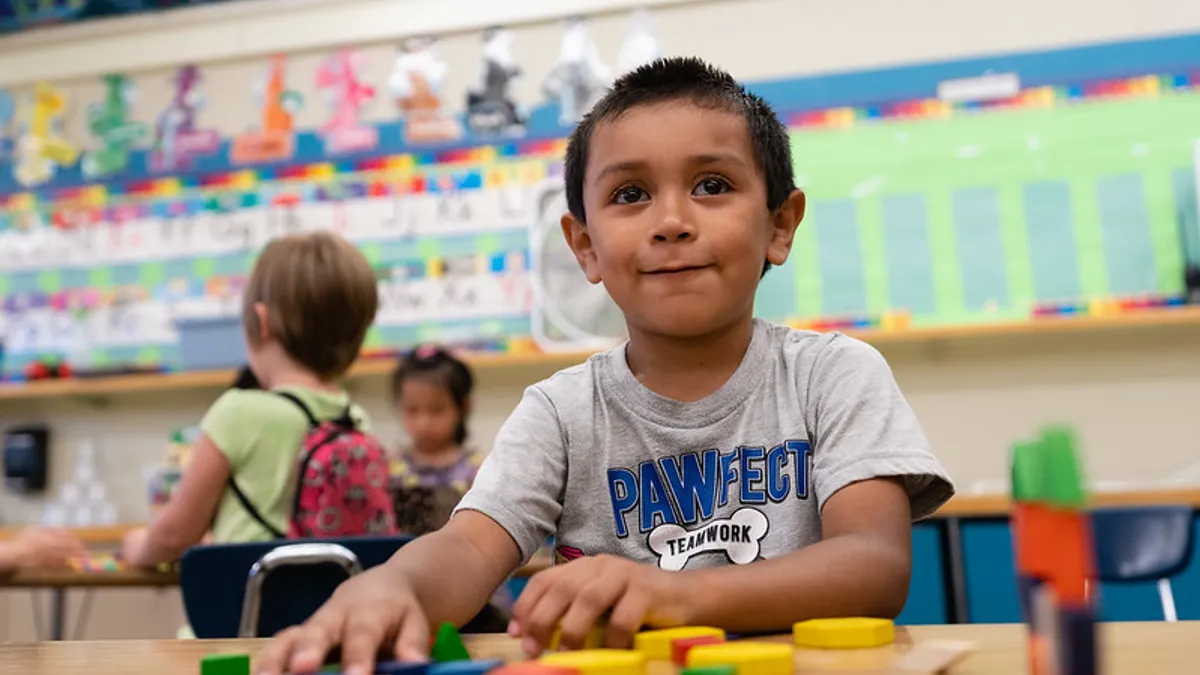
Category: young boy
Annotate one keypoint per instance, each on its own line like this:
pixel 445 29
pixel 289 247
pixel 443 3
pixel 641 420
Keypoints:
pixel 716 469
pixel 306 310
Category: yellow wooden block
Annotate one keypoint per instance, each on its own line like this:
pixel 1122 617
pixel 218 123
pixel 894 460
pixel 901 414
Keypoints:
pixel 847 633
pixel 594 639
pixel 599 661
pixel 656 644
pixel 750 658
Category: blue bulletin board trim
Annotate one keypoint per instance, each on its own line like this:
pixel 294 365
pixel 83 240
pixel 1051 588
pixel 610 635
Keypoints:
pixel 787 95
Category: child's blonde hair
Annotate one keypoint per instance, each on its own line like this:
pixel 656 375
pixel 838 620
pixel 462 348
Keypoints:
pixel 321 297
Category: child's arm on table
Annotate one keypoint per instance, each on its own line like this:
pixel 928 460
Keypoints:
pixel 187 516
pixel 447 575
pixel 39 547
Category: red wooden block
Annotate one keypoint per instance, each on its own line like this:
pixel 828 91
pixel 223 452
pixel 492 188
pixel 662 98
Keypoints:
pixel 681 646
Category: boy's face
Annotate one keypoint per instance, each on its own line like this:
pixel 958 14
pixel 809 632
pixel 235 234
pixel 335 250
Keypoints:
pixel 678 226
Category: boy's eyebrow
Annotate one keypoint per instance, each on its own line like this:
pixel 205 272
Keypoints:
pixel 698 160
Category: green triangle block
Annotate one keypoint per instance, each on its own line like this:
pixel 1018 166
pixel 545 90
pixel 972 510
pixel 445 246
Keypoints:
pixel 448 646
pixel 1062 473
pixel 225 664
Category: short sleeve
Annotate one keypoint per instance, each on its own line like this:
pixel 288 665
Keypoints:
pixel 864 428
pixel 521 481
pixel 229 427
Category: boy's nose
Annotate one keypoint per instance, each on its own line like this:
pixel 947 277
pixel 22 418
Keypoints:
pixel 673 227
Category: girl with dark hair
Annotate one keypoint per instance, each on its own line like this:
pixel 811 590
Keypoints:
pixel 432 394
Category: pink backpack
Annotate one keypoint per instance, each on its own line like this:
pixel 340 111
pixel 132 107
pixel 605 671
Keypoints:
pixel 342 488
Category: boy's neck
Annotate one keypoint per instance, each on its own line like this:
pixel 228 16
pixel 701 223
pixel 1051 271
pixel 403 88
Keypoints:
pixel 688 369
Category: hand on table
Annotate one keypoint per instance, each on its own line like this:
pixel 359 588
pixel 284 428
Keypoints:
pixel 376 610
pixel 44 547
pixel 573 598
pixel 133 547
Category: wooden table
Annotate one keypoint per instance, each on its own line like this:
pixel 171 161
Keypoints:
pixel 1128 649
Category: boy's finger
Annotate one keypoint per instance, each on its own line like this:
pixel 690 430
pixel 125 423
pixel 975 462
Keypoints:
pixel 586 609
pixel 529 597
pixel 626 620
pixel 412 640
pixel 539 625
pixel 364 635
pixel 273 659
pixel 313 641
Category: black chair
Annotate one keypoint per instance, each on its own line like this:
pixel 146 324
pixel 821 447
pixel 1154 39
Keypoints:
pixel 287 581
pixel 1144 543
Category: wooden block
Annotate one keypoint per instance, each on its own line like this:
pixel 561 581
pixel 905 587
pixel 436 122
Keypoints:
pixel 464 667
pixel 656 644
pixel 599 661
pixel 750 658
pixel 594 639
pixel 681 646
pixel 932 657
pixel 846 633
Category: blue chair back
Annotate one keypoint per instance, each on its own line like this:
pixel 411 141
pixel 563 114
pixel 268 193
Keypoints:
pixel 212 580
pixel 1143 543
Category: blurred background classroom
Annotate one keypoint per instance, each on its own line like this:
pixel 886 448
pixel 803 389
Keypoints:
pixel 1002 199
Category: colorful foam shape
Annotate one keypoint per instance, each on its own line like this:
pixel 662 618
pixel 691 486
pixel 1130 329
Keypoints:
pixel 599 661
pixel 844 633
pixel 681 646
pixel 750 658
pixel 448 645
pixel 401 668
pixel 464 667
pixel 656 644
pixel 225 664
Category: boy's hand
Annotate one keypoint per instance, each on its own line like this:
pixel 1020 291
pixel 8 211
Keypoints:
pixel 573 597
pixel 373 612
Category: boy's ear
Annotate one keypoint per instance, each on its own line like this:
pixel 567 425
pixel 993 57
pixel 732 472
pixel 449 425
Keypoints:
pixel 264 330
pixel 784 222
pixel 580 241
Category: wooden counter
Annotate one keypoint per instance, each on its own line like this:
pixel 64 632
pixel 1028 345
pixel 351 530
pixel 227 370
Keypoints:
pixel 1127 649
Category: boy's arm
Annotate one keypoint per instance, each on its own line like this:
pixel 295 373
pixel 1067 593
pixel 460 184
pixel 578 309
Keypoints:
pixel 859 568
pixel 189 513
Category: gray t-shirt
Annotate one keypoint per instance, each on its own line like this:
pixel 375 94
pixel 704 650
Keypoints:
pixel 608 466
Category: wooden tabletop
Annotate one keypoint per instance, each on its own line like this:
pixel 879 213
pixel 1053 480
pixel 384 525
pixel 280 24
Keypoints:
pixel 1128 649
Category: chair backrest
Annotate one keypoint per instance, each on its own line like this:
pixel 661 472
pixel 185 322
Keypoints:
pixel 213 583
pixel 1143 543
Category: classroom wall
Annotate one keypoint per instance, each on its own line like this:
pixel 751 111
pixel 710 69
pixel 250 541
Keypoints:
pixel 1131 396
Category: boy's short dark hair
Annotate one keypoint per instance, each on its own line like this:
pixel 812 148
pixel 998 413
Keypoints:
pixel 691 79
pixel 321 297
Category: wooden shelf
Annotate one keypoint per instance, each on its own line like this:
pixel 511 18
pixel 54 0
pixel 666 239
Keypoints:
pixel 1136 321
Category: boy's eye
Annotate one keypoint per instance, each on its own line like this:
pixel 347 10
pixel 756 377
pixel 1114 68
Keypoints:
pixel 629 195
pixel 710 186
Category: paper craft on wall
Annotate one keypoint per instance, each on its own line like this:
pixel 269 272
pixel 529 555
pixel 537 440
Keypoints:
pixel 580 78
pixel 275 140
pixel 7 111
pixel 40 149
pixel 490 105
pixel 344 131
pixel 109 123
pixel 177 140
pixel 641 44
pixel 416 83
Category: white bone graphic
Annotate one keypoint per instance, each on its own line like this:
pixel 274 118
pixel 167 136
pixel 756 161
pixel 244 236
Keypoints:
pixel 739 536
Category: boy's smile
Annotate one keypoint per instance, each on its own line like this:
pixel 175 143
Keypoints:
pixel 678 226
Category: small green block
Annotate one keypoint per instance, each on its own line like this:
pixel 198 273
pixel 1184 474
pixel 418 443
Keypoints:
pixel 1062 474
pixel 1025 479
pixel 225 664
pixel 710 670
pixel 448 646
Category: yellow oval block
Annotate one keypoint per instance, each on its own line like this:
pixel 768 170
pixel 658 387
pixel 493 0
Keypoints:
pixel 750 658
pixel 599 661
pixel 656 644
pixel 848 633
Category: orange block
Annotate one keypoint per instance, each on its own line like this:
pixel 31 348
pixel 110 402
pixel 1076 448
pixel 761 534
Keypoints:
pixel 681 646
pixel 1056 546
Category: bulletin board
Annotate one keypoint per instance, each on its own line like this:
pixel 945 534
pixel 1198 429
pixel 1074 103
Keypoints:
pixel 1074 190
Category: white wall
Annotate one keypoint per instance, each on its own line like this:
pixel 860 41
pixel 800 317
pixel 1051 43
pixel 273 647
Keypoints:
pixel 1132 398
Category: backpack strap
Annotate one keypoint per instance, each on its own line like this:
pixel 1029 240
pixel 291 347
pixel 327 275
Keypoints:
pixel 312 421
pixel 246 504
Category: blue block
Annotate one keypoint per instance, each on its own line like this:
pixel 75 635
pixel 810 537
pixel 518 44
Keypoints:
pixel 464 667
pixel 400 668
